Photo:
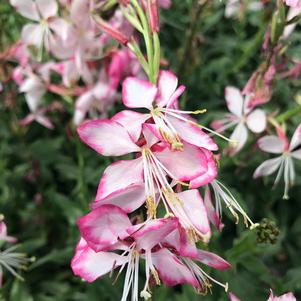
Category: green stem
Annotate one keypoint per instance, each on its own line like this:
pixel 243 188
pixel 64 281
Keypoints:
pixel 147 39
pixel 157 55
pixel 136 50
pixel 289 114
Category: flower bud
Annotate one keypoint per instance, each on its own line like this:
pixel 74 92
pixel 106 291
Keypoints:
pixel 152 8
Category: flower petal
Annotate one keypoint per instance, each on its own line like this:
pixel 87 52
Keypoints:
pixel 296 139
pixel 267 167
pixel 151 134
pixel 118 176
pixel 194 207
pixel 132 121
pixel 128 199
pixel 26 8
pixel 47 8
pixel 171 270
pixel 234 100
pixel 167 84
pixel 102 227
pixel 271 144
pixel 239 138
pixel 107 137
pixel 212 260
pixel 61 27
pixel 233 297
pixel 286 297
pixel 179 240
pixel 138 93
pixel 213 215
pixel 90 265
pixel 209 175
pixel 152 232
pixel 192 134
pixel 184 165
pixel 32 34
pixel 256 121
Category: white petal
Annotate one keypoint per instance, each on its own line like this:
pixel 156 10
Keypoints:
pixel 47 8
pixel 33 34
pixel 234 100
pixel 138 93
pixel 267 167
pixel 239 138
pixel 271 144
pixel 256 121
pixel 296 140
pixel 26 8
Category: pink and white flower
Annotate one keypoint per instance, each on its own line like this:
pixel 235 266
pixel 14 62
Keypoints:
pixel 3 232
pixel 242 117
pixel 284 164
pixel 48 26
pixel 145 179
pixel 293 3
pixel 109 241
pixel 285 297
pixel 173 125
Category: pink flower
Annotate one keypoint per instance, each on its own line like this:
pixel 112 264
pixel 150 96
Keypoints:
pixel 3 232
pixel 97 101
pixel 107 230
pixel 34 89
pixel 161 102
pixel 48 28
pixel 293 3
pixel 285 297
pixel 284 164
pixel 242 117
pixel 130 183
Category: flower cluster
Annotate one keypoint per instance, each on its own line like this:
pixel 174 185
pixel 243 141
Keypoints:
pixel 148 208
pixel 63 52
pixel 172 158
pixel 245 116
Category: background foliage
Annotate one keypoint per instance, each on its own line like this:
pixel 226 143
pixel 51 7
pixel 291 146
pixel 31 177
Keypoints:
pixel 48 178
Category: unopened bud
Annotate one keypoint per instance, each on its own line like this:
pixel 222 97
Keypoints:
pixel 110 30
pixel 152 7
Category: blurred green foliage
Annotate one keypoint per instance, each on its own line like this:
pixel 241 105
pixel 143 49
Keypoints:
pixel 48 178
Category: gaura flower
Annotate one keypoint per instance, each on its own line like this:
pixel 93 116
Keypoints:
pixel 137 243
pixel 292 3
pixel 34 89
pixel 284 164
pixel 48 27
pixel 9 259
pixel 174 125
pixel 242 117
pixel 223 195
pixel 3 232
pixel 284 297
pixel 12 261
pixel 130 183
pixel 105 246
